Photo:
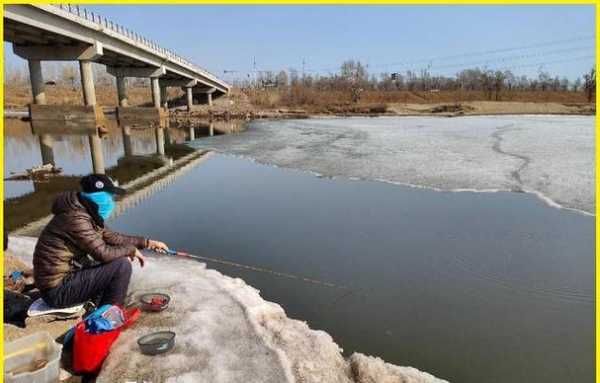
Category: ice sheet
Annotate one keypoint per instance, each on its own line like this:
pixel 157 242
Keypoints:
pixel 551 156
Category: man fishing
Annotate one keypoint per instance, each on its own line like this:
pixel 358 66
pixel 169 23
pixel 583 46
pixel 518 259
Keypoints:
pixel 77 258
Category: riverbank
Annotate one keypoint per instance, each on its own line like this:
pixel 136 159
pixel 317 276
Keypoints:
pixel 227 333
pixel 251 104
pixel 222 111
pixel 247 105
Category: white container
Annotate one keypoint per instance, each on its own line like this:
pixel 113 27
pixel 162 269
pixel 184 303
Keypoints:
pixel 26 351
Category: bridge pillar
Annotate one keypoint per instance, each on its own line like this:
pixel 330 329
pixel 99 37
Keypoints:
pixel 205 94
pixel 163 97
pixel 89 97
pixel 127 147
pixel 160 140
pixel 192 133
pixel 122 91
pixel 37 82
pixel 155 92
pixel 87 82
pixel 168 138
pixel 39 97
pixel 211 129
pixel 190 98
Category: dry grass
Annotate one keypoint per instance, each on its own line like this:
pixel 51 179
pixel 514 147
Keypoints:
pixel 464 96
pixel 308 99
pixel 20 96
pixel 328 100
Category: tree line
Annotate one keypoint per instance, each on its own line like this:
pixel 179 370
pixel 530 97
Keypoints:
pixel 354 77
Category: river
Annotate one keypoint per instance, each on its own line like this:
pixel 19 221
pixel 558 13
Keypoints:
pixel 469 286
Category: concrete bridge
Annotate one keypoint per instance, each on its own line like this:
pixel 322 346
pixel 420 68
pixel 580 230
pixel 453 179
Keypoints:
pixel 71 33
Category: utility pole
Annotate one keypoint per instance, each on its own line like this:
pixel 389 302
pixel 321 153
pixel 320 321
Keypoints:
pixel 231 73
pixel 303 67
pixel 254 71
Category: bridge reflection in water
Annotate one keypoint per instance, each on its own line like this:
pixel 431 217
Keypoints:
pixel 133 153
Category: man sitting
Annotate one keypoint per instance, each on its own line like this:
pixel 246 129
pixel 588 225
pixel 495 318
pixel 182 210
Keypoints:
pixel 61 260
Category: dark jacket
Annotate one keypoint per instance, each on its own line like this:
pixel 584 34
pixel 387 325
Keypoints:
pixel 75 231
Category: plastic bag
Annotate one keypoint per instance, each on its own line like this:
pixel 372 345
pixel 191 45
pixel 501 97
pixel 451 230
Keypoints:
pixel 90 350
pixel 105 318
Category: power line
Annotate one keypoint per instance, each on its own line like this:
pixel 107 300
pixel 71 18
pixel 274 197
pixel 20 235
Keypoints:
pixel 524 65
pixel 494 51
pixel 504 59
pixel 303 67
pixel 494 62
pixel 469 54
pixel 540 63
pixel 581 58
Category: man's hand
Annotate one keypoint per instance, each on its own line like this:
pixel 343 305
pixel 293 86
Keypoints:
pixel 137 255
pixel 158 246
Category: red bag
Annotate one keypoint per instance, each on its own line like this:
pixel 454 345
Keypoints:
pixel 90 350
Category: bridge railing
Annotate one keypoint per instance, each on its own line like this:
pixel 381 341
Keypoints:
pixel 85 14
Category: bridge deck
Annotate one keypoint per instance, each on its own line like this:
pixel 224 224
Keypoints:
pixel 62 28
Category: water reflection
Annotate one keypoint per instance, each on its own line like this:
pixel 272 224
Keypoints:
pixel 130 151
pixel 72 153
pixel 16 188
pixel 205 128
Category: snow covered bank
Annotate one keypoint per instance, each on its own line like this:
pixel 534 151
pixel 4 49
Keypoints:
pixel 227 333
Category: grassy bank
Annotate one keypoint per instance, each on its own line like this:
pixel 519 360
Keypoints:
pixel 299 101
pixel 272 103
pixel 378 101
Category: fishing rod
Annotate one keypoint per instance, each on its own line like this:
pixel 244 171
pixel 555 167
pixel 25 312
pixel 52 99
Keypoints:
pixel 257 269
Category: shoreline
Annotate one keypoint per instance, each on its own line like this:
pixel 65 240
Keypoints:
pixel 542 197
pixel 226 324
pixel 447 109
pixel 221 111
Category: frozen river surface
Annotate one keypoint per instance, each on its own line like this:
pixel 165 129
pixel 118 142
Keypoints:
pixel 551 156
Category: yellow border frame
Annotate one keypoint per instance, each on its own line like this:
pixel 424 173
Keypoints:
pixel 326 2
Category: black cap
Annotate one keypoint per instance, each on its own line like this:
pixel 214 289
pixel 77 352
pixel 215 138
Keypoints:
pixel 99 182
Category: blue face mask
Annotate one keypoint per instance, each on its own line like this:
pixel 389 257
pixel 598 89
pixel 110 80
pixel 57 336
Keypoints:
pixel 104 200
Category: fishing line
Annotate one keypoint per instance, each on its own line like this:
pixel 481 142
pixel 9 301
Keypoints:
pixel 260 270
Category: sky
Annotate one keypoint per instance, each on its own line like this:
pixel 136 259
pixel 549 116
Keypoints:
pixel 445 39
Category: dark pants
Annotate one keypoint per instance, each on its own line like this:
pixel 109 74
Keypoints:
pixel 108 282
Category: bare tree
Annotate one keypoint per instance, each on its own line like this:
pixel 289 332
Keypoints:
pixel 294 78
pixel 488 83
pixel 15 75
pixel 498 83
pixel 354 77
pixel 282 79
pixel 544 81
pixel 564 84
pixel 589 84
pixel 69 75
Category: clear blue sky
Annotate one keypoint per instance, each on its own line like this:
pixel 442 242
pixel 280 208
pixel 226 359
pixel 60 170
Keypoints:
pixel 280 37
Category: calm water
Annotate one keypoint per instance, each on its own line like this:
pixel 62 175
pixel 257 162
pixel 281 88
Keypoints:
pixel 472 287
pixel 71 152
pixel 26 200
pixel 22 151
